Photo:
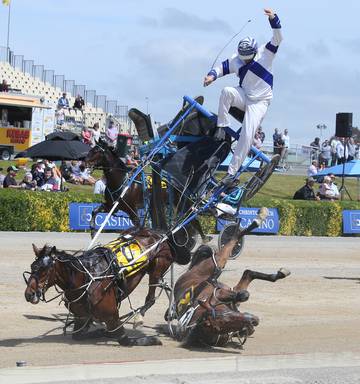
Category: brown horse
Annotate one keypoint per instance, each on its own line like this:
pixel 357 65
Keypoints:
pixel 94 285
pixel 206 309
pixel 115 171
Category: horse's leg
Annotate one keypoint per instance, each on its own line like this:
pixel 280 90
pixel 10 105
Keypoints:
pixel 249 275
pixel 156 272
pixel 81 326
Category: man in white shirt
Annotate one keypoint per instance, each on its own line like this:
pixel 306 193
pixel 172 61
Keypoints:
pixel 334 192
pixel 286 139
pixel 313 169
pixel 100 186
pixel 253 66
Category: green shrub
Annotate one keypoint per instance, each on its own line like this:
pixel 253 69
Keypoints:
pixel 46 211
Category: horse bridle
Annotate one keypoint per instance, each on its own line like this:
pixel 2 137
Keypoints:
pixel 40 292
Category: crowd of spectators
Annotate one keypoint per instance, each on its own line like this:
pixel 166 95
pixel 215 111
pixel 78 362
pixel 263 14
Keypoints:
pixel 46 176
pixel 327 190
pixel 281 145
pixel 334 151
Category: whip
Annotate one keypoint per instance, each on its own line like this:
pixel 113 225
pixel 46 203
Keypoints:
pixel 222 49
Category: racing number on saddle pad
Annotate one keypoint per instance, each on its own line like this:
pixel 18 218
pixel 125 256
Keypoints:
pixel 126 253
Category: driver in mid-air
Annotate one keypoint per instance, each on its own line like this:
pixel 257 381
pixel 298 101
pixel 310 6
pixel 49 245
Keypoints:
pixel 253 66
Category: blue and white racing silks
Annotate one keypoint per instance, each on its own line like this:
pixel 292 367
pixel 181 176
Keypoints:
pixel 256 78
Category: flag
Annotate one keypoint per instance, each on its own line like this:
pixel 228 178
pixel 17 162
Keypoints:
pixel 6 2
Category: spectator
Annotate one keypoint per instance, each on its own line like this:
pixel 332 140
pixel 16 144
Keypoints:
pixel 313 169
pixel 257 141
pixel 63 102
pixel 307 191
pixel 75 172
pixel 352 149
pixel 285 150
pixel 333 144
pixel 65 170
pixel 335 195
pixel 276 137
pixel 79 103
pixel 100 186
pixel 130 159
pixel 38 173
pixel 87 179
pixel 325 189
pixel 9 181
pixel 261 134
pixel 341 151
pixel 95 134
pixel 280 145
pixel 315 149
pixel 86 135
pixel 51 183
pixel 2 177
pixel 4 86
pixel 111 134
pixel 28 183
pixel 325 153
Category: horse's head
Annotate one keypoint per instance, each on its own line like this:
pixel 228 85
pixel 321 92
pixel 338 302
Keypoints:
pixel 97 155
pixel 42 273
pixel 105 156
pixel 219 320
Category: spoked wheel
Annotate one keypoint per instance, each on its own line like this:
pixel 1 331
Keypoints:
pixel 226 235
pixel 259 179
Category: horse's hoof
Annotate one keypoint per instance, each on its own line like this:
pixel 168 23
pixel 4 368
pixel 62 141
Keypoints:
pixel 147 341
pixel 284 272
pixel 126 341
pixel 206 239
pixel 138 321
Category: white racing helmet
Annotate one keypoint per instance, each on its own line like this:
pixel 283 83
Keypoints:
pixel 247 48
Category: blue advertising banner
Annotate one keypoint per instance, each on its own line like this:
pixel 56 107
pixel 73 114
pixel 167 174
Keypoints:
pixel 247 215
pixel 80 216
pixel 351 221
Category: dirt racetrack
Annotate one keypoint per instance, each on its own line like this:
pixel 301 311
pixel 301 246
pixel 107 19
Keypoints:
pixel 316 309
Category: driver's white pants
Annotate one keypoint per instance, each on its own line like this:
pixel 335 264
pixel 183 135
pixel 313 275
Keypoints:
pixel 254 114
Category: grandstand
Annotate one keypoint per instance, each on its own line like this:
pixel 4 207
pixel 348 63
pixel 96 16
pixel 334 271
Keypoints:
pixel 25 77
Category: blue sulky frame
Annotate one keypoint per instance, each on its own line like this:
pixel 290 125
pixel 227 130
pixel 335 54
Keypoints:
pixel 161 146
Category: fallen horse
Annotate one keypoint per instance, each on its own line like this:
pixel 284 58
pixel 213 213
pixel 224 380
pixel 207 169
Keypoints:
pixel 94 283
pixel 205 311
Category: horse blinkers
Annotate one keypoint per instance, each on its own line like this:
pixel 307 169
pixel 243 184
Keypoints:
pixel 38 281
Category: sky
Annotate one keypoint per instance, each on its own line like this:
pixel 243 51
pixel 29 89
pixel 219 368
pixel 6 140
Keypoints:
pixel 146 53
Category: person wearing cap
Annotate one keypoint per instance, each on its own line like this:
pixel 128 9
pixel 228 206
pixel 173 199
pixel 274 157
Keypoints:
pixel 253 66
pixel 306 192
pixel 9 181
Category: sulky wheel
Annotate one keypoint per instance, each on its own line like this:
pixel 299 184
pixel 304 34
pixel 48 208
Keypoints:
pixel 259 179
pixel 226 235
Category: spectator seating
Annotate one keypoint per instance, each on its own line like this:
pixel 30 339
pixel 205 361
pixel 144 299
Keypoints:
pixel 30 85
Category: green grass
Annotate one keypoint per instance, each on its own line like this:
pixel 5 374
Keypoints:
pixel 279 186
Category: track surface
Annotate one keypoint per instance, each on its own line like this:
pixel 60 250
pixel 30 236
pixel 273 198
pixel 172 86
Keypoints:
pixel 315 310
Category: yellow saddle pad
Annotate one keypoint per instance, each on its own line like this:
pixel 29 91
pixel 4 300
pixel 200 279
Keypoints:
pixel 127 255
pixel 185 301
pixel 149 182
